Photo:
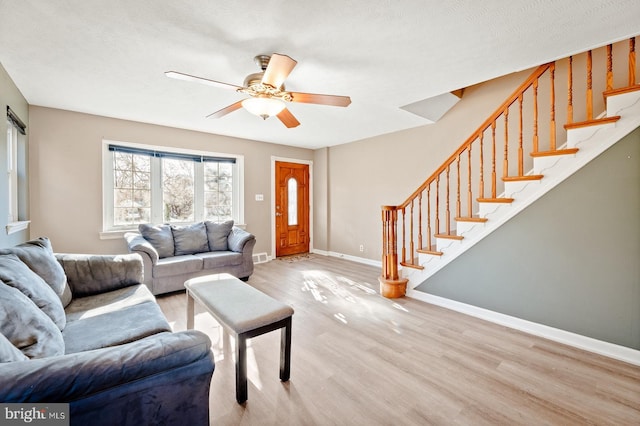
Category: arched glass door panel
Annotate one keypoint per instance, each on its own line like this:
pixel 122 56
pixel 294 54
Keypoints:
pixel 292 196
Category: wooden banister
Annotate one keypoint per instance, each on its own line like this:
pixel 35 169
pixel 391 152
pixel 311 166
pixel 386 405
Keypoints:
pixel 485 125
pixel 519 134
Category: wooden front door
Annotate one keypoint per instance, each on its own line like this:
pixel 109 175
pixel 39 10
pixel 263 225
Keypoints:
pixel 292 208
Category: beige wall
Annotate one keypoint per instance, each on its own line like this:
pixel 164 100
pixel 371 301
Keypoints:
pixel 385 170
pixel 10 95
pixel 66 174
pixel 321 200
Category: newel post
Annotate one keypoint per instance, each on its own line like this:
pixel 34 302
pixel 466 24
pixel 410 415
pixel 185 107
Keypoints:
pixel 391 285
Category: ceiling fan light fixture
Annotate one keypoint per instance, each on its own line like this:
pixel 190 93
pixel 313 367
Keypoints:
pixel 263 107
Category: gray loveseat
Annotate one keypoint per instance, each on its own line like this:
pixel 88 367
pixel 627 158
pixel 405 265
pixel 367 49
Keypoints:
pixel 81 329
pixel 173 254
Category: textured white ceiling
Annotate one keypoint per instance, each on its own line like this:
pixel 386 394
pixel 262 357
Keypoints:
pixel 108 57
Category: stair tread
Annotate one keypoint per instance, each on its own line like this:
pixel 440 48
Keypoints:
pixel 621 90
pixel 495 200
pixel 472 219
pixel 566 151
pixel 594 122
pixel 449 236
pixel 430 250
pixel 522 178
pixel 411 265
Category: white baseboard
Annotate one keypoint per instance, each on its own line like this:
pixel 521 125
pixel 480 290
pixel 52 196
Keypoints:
pixel 370 262
pixel 610 350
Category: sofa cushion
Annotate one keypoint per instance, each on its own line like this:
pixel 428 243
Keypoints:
pixel 26 326
pixel 114 328
pixel 91 306
pixel 8 352
pixel 160 237
pixel 217 233
pixel 16 274
pixel 190 239
pixel 38 256
pixel 177 265
pixel 217 259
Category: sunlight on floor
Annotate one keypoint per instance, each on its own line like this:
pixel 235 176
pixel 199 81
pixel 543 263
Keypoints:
pixel 253 371
pixel 340 317
pixel 399 307
pixel 316 282
pixel 312 287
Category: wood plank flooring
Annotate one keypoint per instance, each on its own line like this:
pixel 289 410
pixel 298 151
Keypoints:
pixel 360 359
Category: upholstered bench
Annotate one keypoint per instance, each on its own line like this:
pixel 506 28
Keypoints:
pixel 243 312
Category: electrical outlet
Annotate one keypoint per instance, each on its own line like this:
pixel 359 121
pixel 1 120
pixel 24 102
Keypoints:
pixel 361 247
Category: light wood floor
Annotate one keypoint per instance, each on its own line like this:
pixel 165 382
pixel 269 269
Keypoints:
pixel 360 359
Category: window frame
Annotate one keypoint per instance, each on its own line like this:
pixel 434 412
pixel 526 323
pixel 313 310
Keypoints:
pixel 17 219
pixel 109 230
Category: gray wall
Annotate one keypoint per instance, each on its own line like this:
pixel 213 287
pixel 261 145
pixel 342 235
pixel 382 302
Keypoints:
pixel 11 96
pixel 571 260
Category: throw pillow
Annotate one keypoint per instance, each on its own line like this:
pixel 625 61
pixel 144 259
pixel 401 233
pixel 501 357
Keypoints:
pixel 160 237
pixel 190 239
pixel 27 327
pixel 217 234
pixel 38 256
pixel 8 352
pixel 16 274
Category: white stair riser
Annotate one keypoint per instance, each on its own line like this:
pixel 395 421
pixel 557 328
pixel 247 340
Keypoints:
pixel 626 103
pixel 446 244
pixel 512 189
pixel 542 165
pixel 577 137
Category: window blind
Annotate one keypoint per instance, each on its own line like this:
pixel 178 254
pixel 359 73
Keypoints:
pixel 15 120
pixel 172 155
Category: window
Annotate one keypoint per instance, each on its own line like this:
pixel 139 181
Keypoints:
pixel 16 174
pixel 143 185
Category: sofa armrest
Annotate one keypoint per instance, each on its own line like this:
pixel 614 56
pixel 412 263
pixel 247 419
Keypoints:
pixel 238 238
pixel 89 274
pixel 68 378
pixel 136 243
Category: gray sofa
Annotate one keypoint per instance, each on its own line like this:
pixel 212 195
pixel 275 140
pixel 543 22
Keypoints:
pixel 81 329
pixel 173 254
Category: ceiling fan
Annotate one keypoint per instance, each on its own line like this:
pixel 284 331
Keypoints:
pixel 266 90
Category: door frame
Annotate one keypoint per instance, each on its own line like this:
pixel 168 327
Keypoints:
pixel 309 163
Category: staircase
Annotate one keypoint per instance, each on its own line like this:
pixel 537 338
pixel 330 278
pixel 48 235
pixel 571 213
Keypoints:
pixel 464 200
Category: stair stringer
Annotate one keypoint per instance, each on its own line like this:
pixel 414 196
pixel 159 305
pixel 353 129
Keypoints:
pixel 591 141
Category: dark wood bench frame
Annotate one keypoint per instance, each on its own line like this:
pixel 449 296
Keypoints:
pixel 241 343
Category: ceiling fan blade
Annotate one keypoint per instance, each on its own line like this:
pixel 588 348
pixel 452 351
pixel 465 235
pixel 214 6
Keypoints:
pixel 187 77
pixel 287 118
pixel 314 98
pixel 226 110
pixel 279 68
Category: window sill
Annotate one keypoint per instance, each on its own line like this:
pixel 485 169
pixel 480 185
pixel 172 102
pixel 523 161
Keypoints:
pixel 114 235
pixel 14 227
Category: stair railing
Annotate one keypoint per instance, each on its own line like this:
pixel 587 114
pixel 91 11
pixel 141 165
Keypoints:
pixel 525 123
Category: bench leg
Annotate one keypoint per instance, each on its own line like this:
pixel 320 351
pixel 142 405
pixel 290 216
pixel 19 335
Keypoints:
pixel 285 351
pixel 241 368
pixel 190 311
